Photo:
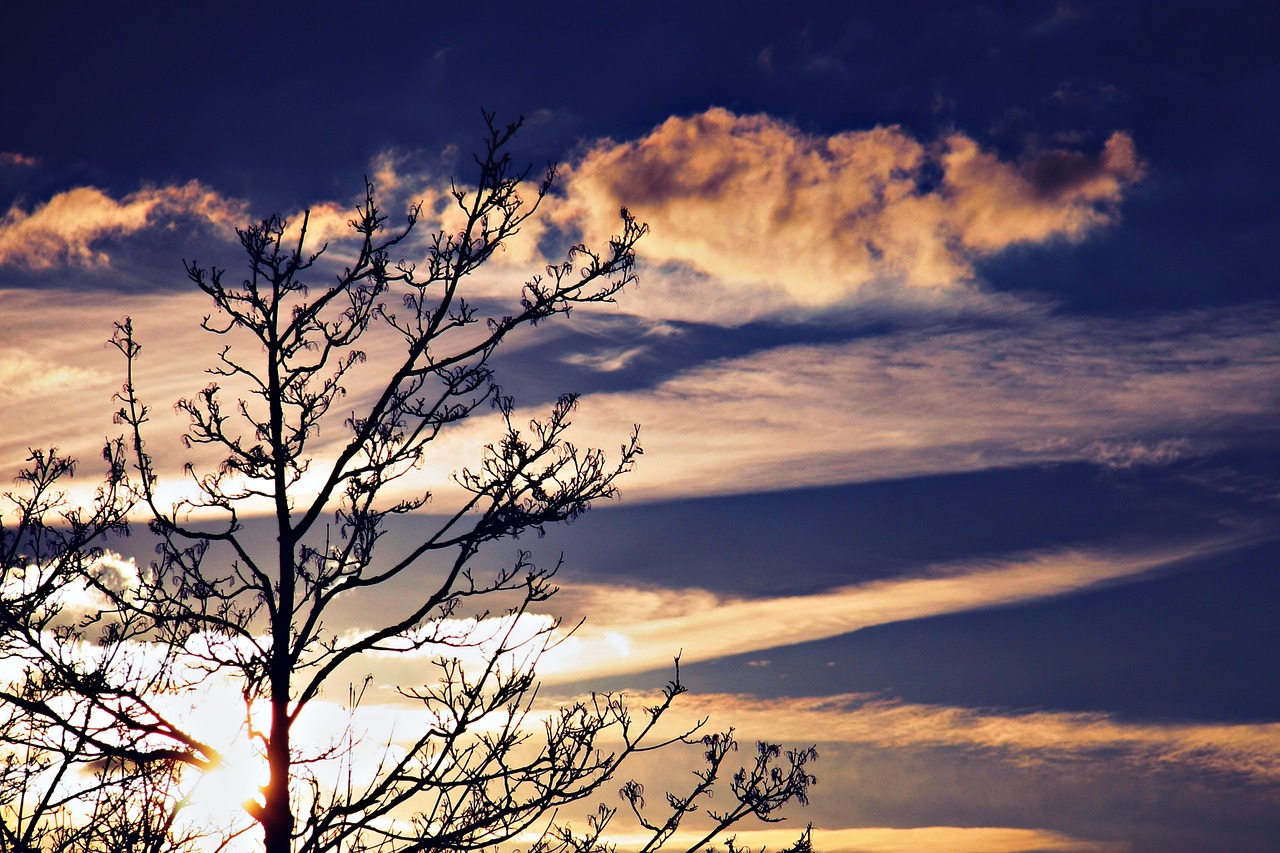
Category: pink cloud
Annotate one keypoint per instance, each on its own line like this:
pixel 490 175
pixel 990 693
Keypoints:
pixel 18 160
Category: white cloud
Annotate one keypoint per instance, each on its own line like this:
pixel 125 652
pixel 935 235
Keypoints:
pixel 609 361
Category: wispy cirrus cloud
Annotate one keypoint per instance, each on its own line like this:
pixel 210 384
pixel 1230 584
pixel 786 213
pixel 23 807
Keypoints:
pixel 1121 392
pixel 1247 750
pixel 67 229
pixel 771 218
pixel 23 377
pixel 650 628
pixel 634 630
pixel 1117 391
pixel 880 839
pixel 63 374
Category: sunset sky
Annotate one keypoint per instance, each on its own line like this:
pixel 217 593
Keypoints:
pixel 955 352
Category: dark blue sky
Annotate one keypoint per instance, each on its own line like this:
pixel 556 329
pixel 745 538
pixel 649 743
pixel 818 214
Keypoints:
pixel 971 292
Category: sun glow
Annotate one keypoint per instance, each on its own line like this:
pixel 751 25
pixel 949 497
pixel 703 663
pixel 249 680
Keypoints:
pixel 222 793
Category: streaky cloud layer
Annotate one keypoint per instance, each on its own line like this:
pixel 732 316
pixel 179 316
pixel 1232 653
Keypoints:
pixel 923 839
pixel 1118 392
pixel 622 640
pixel 1247 750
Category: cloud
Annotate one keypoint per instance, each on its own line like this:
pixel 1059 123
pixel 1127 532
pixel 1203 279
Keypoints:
pixel 1121 392
pixel 650 628
pixel 1249 751
pixel 751 216
pixel 640 630
pixel 921 839
pixel 62 374
pixel 1057 193
pixel 402 180
pixel 65 230
pixel 65 600
pixel 608 361
pixel 18 160
pixel 750 202
pixel 1141 390
pixel 23 377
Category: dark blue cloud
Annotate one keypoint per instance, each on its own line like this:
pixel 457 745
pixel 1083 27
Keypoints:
pixel 794 542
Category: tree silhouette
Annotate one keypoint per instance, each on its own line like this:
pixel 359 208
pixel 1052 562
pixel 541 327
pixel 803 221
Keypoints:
pixel 488 766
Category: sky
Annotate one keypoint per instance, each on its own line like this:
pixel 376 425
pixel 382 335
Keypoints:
pixel 955 351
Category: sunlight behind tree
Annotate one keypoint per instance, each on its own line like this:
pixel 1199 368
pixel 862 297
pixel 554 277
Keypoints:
pixel 204 679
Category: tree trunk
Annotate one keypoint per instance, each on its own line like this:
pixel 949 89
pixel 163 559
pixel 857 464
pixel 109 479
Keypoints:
pixel 277 816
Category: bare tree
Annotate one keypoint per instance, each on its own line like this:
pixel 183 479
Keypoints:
pixel 69 779
pixel 488 766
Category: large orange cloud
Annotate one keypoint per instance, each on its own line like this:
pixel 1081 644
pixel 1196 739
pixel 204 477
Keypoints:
pixel 754 202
